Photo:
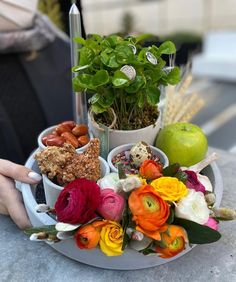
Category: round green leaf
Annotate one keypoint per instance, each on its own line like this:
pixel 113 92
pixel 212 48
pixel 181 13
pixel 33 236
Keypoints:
pixel 100 78
pixel 120 79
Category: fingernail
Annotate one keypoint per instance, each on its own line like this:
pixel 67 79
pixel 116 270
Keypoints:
pixel 35 176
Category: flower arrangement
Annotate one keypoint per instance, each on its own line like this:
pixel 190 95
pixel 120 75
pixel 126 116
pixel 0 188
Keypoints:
pixel 123 78
pixel 157 211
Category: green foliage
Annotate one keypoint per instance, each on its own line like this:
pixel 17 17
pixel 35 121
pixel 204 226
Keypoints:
pixel 53 10
pixel 197 233
pixel 48 229
pixel 99 71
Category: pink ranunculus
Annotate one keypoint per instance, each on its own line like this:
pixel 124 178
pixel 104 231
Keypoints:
pixel 78 201
pixel 112 205
pixel 193 182
pixel 212 223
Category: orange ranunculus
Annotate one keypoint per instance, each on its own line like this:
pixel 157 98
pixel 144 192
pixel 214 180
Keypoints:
pixel 150 170
pixel 150 211
pixel 88 236
pixel 174 241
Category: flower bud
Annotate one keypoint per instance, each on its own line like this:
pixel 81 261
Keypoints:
pixel 138 236
pixel 42 208
pixel 225 214
pixel 52 238
pixel 130 231
pixel 210 199
pixel 41 236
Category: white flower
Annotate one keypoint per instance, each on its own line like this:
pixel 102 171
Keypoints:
pixel 205 181
pixel 129 183
pixel 109 181
pixel 193 207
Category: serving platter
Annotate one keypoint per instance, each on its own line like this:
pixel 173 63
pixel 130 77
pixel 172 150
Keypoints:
pixel 130 259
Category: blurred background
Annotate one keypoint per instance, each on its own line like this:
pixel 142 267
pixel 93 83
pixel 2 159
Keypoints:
pixel 204 32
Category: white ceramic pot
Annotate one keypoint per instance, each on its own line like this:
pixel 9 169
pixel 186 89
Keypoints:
pixel 53 190
pixel 126 147
pixel 49 130
pixel 119 137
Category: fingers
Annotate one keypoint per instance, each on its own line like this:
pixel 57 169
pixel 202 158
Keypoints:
pixel 11 203
pixel 18 172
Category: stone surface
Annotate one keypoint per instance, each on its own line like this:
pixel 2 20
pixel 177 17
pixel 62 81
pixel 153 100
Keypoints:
pixel 23 260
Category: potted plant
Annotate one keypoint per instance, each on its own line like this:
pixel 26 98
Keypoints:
pixel 124 80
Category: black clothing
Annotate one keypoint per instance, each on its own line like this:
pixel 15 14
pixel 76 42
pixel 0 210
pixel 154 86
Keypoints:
pixel 34 94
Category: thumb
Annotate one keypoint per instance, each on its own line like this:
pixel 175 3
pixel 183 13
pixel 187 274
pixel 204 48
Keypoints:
pixel 19 172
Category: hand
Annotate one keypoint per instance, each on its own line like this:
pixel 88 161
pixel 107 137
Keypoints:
pixel 10 198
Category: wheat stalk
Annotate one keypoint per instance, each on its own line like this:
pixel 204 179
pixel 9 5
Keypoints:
pixel 179 106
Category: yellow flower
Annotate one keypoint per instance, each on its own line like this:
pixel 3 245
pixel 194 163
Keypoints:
pixel 111 239
pixel 170 188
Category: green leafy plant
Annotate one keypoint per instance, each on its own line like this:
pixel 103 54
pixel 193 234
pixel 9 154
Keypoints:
pixel 133 93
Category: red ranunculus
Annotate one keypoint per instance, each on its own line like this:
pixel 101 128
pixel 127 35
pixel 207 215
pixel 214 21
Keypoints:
pixel 78 201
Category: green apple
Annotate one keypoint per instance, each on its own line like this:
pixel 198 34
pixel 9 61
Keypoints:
pixel 183 143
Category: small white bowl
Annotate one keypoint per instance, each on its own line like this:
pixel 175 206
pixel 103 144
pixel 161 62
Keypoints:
pixel 49 130
pixel 52 190
pixel 126 147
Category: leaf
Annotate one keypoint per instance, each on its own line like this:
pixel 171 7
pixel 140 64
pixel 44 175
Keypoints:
pixel 126 222
pixel 79 40
pixel 135 85
pixel 49 229
pixel 97 108
pixel 174 76
pixel 153 95
pixel 171 170
pixel 167 48
pixel 95 98
pixel 100 78
pixel 84 81
pixel 182 176
pixel 121 172
pixel 142 37
pixel 109 59
pixel 148 250
pixel 197 233
pixel 124 54
pixel 86 56
pixel 141 99
pixel 120 79
pixel 113 40
pixel 171 216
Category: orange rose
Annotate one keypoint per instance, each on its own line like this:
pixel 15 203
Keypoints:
pixel 149 210
pixel 150 170
pixel 88 236
pixel 174 241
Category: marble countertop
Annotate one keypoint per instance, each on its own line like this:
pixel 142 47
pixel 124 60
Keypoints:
pixel 23 260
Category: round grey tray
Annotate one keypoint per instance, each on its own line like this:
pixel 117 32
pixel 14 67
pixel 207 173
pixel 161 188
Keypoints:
pixel 130 259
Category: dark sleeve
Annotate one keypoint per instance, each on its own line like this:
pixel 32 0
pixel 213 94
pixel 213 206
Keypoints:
pixel 9 143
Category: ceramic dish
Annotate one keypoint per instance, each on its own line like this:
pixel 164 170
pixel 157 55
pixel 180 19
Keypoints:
pixel 131 259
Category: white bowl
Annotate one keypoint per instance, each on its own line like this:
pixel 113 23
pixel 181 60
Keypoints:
pixel 163 158
pixel 53 190
pixel 130 259
pixel 49 130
